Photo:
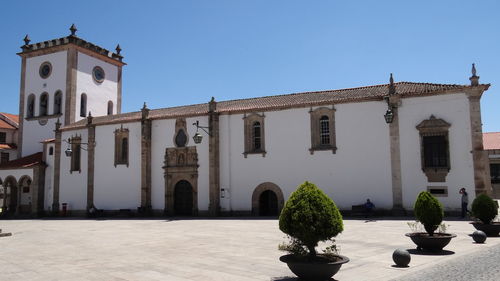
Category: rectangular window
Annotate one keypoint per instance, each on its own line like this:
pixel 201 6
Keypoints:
pixel 4 157
pixel 435 151
pixel 3 137
pixel 324 130
pixel 121 146
pixel 438 191
pixel 75 154
pixel 495 173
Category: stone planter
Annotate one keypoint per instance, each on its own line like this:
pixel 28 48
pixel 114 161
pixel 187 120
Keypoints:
pixel 320 269
pixel 433 243
pixel 491 230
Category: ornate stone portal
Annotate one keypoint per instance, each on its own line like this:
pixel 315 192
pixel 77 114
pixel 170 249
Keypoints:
pixel 181 164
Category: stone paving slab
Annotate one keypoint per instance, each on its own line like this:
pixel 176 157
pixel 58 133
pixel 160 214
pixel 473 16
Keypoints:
pixel 201 249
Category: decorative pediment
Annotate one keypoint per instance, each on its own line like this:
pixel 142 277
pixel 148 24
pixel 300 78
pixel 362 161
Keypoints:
pixel 181 157
pixel 433 126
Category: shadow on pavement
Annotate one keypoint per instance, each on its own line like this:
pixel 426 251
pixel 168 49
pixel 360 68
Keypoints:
pixel 430 253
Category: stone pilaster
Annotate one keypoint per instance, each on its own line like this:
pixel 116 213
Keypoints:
pixel 21 109
pixel 38 186
pixel 146 159
pixel 90 162
pixel 70 100
pixel 480 160
pixel 57 168
pixel 397 188
pixel 214 160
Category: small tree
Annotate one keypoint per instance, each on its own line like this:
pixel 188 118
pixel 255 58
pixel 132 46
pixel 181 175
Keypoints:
pixel 429 211
pixel 310 216
pixel 484 208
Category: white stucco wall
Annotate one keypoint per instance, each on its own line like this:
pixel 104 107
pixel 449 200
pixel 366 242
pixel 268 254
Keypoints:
pixel 33 131
pixel 117 187
pixel 16 173
pixel 73 185
pixel 163 132
pixel 98 94
pixel 454 109
pixel 360 168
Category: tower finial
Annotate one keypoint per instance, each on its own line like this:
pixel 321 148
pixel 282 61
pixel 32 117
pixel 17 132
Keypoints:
pixel 391 80
pixel 27 40
pixel 474 79
pixel 118 49
pixel 73 29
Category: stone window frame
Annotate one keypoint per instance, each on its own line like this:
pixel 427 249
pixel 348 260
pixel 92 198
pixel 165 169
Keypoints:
pixel 434 127
pixel 57 110
pixel 76 155
pixel 249 146
pixel 46 63
pixel 120 135
pixel 30 106
pixel 315 117
pixel 43 109
pixel 444 188
pixel 83 105
pixel 180 125
pixel 110 107
pixel 94 71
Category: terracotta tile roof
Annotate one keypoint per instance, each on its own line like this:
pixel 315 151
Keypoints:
pixel 7 146
pixel 491 140
pixel 25 162
pixel 14 118
pixel 377 92
pixel 5 125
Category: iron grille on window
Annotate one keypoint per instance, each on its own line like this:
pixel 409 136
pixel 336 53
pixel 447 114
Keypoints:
pixel 495 173
pixel 256 136
pixel 435 151
pixel 324 127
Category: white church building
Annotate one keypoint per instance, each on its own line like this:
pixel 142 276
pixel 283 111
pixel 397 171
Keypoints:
pixel 76 150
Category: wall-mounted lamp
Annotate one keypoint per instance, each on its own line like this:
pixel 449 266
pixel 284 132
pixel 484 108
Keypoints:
pixel 389 114
pixel 197 136
pixel 69 151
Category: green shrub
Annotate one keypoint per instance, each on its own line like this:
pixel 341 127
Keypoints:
pixel 484 208
pixel 428 211
pixel 310 216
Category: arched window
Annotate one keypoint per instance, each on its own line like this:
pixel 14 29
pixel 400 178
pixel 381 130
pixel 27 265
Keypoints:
pixel 44 100
pixel 110 108
pixel 30 112
pixel 51 150
pixel 324 130
pixel 83 105
pixel 58 102
pixel 256 136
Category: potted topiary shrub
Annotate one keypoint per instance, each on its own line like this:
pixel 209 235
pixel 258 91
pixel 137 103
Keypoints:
pixel 429 212
pixel 485 210
pixel 308 217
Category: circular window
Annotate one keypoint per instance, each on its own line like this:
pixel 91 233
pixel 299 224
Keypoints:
pixel 45 69
pixel 98 74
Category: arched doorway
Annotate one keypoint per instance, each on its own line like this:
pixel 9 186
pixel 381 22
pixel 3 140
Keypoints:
pixel 10 194
pixel 183 198
pixel 267 200
pixel 268 203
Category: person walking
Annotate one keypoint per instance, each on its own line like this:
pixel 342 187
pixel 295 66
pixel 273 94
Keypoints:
pixel 465 201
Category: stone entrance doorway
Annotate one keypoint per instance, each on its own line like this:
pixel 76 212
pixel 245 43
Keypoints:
pixel 268 203
pixel 183 199
pixel 181 181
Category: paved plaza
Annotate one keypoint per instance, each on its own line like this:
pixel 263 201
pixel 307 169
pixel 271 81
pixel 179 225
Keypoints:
pixel 204 249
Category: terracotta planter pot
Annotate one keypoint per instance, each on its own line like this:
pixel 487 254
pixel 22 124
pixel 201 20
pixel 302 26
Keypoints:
pixel 318 270
pixel 431 243
pixel 491 230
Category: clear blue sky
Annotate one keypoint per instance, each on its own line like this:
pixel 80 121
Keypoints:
pixel 184 52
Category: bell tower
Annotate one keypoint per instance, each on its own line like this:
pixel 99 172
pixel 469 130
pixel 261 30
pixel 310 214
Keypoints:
pixel 65 79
